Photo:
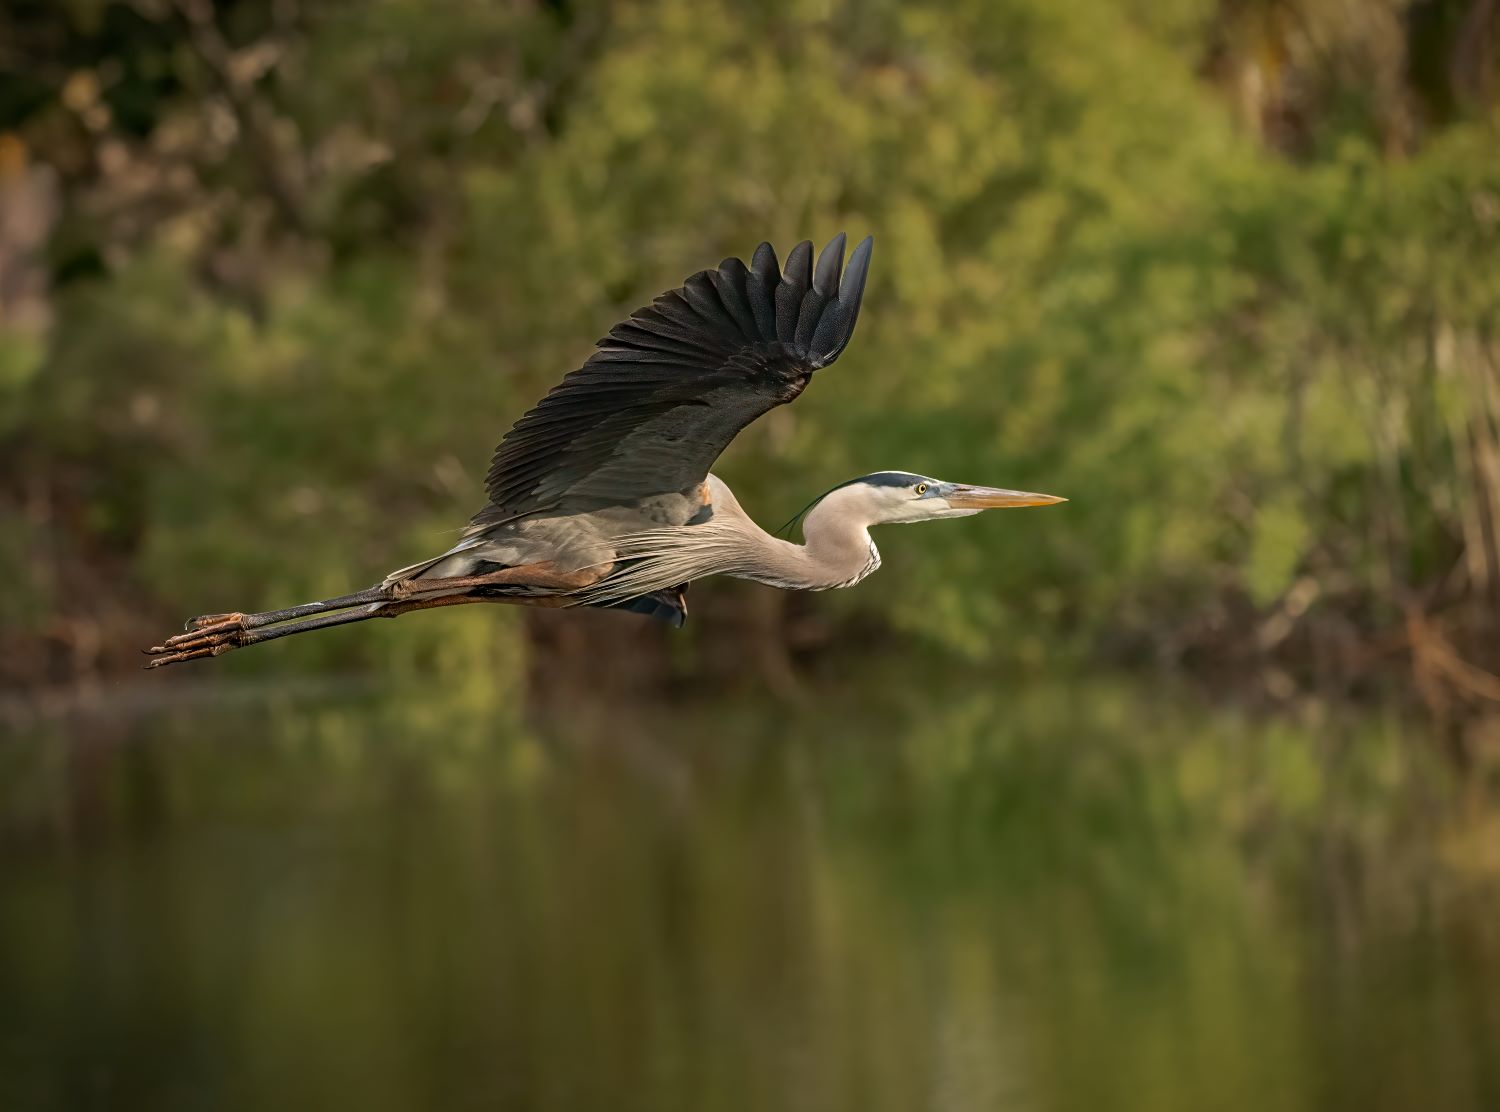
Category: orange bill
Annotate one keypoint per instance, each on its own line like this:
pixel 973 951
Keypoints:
pixel 995 498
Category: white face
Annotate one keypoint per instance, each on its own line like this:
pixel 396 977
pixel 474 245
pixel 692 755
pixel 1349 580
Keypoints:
pixel 894 497
pixel 910 503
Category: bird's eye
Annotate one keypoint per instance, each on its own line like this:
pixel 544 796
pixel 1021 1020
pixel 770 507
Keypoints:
pixel 921 488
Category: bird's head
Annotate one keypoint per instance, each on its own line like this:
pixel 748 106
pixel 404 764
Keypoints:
pixel 900 497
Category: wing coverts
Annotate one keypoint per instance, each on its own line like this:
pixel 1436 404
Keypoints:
pixel 668 389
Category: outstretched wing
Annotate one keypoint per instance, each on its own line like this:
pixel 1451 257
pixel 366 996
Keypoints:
pixel 668 389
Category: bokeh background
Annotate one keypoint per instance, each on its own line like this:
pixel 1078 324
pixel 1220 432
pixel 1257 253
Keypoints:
pixel 1182 795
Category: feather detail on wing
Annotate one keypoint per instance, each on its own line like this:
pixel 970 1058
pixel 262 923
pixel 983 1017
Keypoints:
pixel 670 387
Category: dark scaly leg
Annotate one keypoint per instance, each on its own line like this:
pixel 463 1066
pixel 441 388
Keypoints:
pixel 215 634
pixel 532 575
pixel 217 642
pixel 210 623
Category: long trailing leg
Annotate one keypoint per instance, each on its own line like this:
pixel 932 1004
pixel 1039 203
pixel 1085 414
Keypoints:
pixel 217 642
pixel 213 623
pixel 216 634
pixel 544 575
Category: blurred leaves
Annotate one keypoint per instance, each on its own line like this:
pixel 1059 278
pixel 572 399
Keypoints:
pixel 1180 263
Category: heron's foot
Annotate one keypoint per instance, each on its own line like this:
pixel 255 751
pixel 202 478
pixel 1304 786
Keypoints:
pixel 204 621
pixel 210 635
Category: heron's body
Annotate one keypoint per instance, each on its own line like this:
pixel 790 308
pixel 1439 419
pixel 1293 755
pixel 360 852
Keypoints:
pixel 601 495
pixel 663 544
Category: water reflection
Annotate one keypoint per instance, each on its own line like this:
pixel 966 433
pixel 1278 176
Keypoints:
pixel 951 894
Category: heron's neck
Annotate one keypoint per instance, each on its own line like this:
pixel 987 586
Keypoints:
pixel 838 552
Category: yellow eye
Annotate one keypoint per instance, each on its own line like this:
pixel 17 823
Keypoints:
pixel 921 488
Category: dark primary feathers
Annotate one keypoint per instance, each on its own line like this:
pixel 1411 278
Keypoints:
pixel 668 389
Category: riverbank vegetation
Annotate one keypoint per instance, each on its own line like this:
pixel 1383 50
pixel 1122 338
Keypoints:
pixel 275 276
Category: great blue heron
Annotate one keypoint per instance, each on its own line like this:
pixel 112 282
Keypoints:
pixel 601 494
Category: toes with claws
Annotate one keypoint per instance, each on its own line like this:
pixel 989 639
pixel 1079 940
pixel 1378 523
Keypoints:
pixel 219 634
pixel 204 621
pixel 207 626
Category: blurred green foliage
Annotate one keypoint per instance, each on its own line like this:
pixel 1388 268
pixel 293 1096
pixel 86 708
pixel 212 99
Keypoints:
pixel 1222 276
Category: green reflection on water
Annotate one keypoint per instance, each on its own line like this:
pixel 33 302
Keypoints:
pixel 915 893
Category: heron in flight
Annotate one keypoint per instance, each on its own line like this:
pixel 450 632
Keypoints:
pixel 601 494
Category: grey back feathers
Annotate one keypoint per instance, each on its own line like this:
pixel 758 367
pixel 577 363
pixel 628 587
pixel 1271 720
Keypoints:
pixel 669 388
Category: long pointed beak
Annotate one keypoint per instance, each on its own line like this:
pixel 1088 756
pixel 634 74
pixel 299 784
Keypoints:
pixel 994 498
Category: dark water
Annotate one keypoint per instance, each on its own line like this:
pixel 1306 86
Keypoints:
pixel 952 893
